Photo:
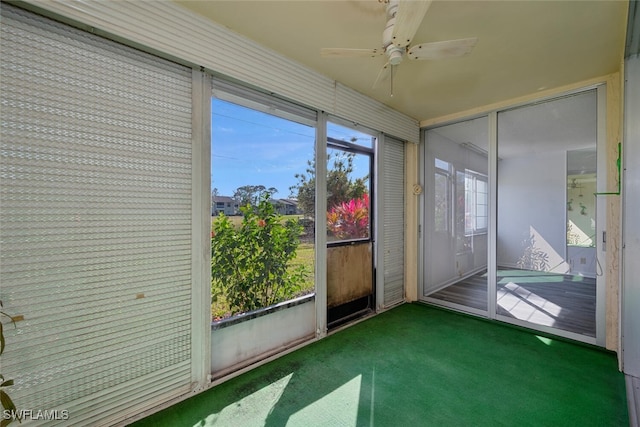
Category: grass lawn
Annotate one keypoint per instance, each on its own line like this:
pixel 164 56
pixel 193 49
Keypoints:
pixel 306 256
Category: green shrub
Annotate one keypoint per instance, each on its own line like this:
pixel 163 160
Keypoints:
pixel 251 265
pixel 350 219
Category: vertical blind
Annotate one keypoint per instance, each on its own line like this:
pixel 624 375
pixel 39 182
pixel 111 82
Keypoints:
pixel 95 222
pixel 393 222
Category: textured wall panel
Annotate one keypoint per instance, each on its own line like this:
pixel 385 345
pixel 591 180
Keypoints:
pixel 95 221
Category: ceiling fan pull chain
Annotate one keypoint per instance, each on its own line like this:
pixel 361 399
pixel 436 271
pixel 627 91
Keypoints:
pixel 392 67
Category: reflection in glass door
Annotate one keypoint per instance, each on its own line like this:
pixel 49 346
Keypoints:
pixel 456 215
pixel 546 235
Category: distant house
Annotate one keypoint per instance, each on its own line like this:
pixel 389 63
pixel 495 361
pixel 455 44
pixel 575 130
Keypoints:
pixel 286 206
pixel 224 204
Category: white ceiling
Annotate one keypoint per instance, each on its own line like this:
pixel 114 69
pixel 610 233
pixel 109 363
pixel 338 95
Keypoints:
pixel 523 47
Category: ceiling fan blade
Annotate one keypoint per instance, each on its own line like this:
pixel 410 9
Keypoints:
pixel 382 75
pixel 408 19
pixel 442 50
pixel 337 52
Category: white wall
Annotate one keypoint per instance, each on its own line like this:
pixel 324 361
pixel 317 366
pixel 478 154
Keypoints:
pixel 531 201
pixel 249 341
pixel 631 222
pixel 582 261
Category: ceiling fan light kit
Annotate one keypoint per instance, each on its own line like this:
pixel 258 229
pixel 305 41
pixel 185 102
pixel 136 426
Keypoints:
pixel 404 17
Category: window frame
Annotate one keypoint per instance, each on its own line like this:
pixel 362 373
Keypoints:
pixel 349 147
pixel 475 177
pixel 251 99
pixel 446 173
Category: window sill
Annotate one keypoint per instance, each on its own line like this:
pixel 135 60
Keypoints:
pixel 244 317
pixel 347 242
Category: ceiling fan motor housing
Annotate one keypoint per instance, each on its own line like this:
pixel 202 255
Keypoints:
pixel 395 54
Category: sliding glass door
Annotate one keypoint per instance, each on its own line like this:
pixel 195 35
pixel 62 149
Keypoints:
pixel 547 255
pixel 512 226
pixel 456 213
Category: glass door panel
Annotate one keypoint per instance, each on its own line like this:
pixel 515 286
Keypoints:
pixel 546 255
pixel 456 214
pixel 350 281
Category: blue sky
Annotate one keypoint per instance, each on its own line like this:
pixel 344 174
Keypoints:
pixel 249 147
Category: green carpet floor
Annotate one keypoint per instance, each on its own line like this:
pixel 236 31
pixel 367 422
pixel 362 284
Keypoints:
pixel 419 366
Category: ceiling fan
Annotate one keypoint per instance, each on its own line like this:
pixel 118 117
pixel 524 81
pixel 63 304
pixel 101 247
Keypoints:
pixel 403 20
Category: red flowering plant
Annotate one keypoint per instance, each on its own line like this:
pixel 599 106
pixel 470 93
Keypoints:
pixel 350 219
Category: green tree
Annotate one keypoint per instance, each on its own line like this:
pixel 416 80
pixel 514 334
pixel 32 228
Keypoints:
pixel 305 190
pixel 340 186
pixel 214 194
pixel 251 266
pixel 252 194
